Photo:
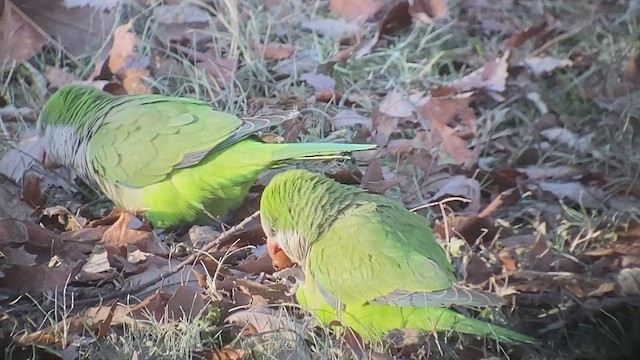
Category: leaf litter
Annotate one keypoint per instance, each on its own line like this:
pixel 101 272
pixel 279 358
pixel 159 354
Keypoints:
pixel 483 113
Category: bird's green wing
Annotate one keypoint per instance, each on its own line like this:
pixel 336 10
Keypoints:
pixel 143 138
pixel 392 258
pixel 377 250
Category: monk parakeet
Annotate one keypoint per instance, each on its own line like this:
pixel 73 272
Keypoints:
pixel 175 158
pixel 368 262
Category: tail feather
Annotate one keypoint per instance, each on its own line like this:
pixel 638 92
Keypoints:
pixel 315 151
pixel 442 319
pixel 455 295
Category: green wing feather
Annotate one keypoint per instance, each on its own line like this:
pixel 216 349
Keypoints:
pixel 142 139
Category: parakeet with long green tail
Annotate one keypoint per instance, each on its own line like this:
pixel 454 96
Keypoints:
pixel 368 262
pixel 177 159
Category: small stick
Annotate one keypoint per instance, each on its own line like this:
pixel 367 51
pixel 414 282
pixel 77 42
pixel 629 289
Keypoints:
pixel 190 260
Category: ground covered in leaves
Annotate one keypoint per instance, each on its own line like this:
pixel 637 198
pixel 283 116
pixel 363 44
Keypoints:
pixel 511 125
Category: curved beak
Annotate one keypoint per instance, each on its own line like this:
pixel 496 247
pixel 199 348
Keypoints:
pixel 273 248
pixel 279 259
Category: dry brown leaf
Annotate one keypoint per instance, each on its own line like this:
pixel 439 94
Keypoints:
pixel 477 271
pixel 182 13
pixel 319 82
pixel 58 77
pixel 15 162
pixel 53 335
pixel 17 256
pixel 544 65
pixel 359 10
pixel 80 30
pixel 628 281
pixel 127 62
pixel 399 105
pixel 590 197
pixel 186 304
pixel 384 126
pixel 36 278
pixel 374 179
pixel 221 71
pixel 509 259
pixel 334 28
pixel 275 51
pixel 19 38
pixel 224 353
pixel 453 120
pixel 491 76
pixel 31 192
pixel 350 117
pixel 460 186
pixel 257 264
pixel 268 322
pixel 433 8
pixel 129 230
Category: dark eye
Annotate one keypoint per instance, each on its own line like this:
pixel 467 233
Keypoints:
pixel 272 232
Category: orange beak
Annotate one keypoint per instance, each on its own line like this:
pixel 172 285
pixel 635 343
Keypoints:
pixel 279 259
pixel 273 248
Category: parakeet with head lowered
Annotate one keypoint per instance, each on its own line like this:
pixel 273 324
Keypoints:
pixel 368 262
pixel 175 158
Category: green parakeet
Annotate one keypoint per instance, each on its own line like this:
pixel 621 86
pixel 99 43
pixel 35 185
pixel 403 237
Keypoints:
pixel 175 158
pixel 368 261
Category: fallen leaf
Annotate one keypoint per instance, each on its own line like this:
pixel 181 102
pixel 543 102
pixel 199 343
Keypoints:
pixel 182 13
pixel 589 197
pixel 257 264
pixel 374 180
pixel 319 82
pixel 544 65
pixel 81 30
pixel 331 27
pixel 126 60
pixel 275 51
pixel 478 271
pixel 57 77
pixel 36 278
pixel 31 192
pixel 399 105
pixel 267 322
pixel 350 117
pixel 569 138
pixel 224 353
pixel 433 8
pixel 360 10
pixel 453 120
pixel 460 186
pixel 19 39
pixel 628 281
pixel 186 304
pixel 491 76
pixel 509 259
pixel 129 230
pixel 384 126
pixel 221 71
pixel 19 159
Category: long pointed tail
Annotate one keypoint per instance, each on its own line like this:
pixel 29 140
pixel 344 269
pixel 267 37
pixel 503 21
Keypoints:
pixel 306 151
pixel 442 319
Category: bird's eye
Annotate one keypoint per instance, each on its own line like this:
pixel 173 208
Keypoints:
pixel 272 232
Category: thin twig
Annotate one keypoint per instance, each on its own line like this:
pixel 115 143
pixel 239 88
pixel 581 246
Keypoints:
pixel 188 261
